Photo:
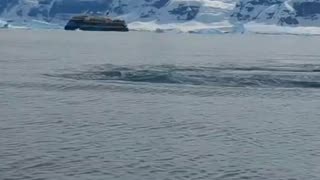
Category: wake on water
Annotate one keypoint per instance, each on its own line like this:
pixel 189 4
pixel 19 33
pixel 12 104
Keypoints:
pixel 289 76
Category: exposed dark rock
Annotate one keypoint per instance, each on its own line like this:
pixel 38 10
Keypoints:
pixel 288 20
pixel 78 7
pixel 19 13
pixel 265 2
pixel 249 9
pixel 6 5
pixel 260 10
pixel 270 15
pixel 184 10
pixel 147 15
pixel 119 9
pixel 34 12
pixel 160 3
pixel 307 8
pixel 45 2
pixel 244 9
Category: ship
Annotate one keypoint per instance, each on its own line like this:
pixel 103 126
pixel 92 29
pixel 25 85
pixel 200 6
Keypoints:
pixel 96 23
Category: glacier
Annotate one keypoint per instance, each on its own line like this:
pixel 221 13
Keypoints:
pixel 191 16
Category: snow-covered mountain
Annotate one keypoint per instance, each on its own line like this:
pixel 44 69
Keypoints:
pixel 141 14
pixel 185 15
pixel 281 12
pixel 131 10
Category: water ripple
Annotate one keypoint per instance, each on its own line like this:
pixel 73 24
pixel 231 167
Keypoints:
pixel 306 76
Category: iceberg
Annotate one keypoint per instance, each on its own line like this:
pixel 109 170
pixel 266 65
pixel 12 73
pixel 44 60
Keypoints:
pixel 3 24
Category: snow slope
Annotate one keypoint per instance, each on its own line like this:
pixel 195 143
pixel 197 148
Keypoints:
pixel 162 13
pixel 279 12
pixel 3 23
pixel 131 10
pixel 196 16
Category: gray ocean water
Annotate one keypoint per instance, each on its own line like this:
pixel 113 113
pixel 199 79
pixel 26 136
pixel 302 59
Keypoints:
pixel 133 106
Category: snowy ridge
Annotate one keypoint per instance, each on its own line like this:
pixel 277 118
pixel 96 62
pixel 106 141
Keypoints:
pixel 279 12
pixel 196 16
pixel 158 13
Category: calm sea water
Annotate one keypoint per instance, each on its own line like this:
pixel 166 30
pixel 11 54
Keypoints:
pixel 132 106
